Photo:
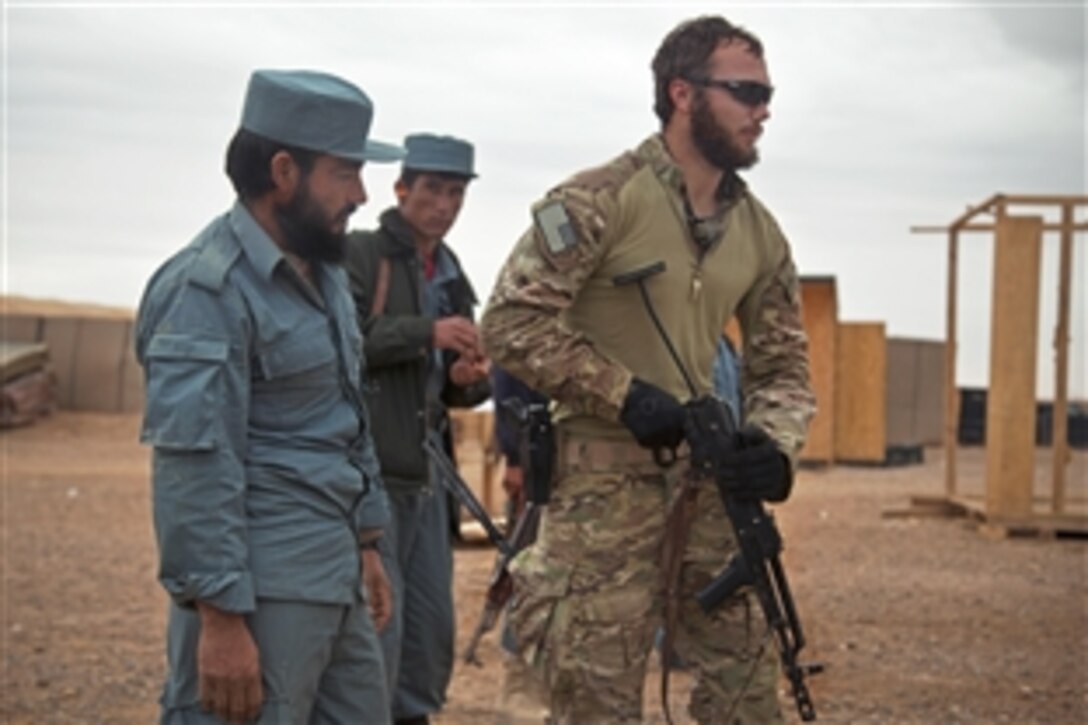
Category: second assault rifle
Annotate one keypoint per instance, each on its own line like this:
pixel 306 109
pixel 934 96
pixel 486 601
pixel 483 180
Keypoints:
pixel 710 429
pixel 536 444
pixel 451 479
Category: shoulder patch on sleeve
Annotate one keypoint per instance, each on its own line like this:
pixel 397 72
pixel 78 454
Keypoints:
pixel 554 223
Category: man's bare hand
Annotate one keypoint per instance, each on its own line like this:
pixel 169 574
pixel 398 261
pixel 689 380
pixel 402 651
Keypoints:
pixel 513 482
pixel 228 666
pixel 379 595
pixel 466 371
pixel 458 334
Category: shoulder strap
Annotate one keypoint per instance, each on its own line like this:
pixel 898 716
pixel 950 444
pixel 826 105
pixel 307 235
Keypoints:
pixel 381 288
pixel 211 264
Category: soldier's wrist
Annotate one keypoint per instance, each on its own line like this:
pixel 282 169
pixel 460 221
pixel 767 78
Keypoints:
pixel 369 538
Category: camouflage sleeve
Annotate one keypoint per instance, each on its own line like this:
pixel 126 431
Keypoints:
pixel 777 393
pixel 522 327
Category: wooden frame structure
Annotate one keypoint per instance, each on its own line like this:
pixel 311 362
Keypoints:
pixel 1017 243
pixel 820 307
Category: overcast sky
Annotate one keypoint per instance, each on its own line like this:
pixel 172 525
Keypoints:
pixel 886 115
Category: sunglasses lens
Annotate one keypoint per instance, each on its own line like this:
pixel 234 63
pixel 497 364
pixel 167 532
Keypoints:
pixel 752 94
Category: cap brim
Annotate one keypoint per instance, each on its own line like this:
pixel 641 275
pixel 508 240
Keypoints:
pixel 382 152
pixel 440 169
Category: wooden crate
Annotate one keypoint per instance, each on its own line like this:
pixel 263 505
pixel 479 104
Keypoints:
pixel 820 309
pixel 861 374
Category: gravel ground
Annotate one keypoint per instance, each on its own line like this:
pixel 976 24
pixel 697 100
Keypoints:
pixel 918 619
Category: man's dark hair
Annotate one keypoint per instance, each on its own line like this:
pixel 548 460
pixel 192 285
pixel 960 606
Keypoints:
pixel 249 162
pixel 408 176
pixel 685 52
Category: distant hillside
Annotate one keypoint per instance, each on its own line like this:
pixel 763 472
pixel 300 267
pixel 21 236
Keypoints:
pixel 16 305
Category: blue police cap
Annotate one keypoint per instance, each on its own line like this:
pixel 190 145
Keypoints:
pixel 443 154
pixel 315 111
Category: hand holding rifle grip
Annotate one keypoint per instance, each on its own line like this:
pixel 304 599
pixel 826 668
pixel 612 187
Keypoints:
pixel 709 430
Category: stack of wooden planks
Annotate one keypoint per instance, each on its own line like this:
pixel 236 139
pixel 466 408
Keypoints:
pixel 30 385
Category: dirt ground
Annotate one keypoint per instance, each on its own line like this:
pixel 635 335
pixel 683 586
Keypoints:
pixel 918 619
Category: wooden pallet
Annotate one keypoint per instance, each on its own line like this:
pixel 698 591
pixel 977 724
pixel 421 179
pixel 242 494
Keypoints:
pixel 1039 525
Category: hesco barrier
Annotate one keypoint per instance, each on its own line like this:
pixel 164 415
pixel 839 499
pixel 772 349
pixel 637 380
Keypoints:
pixel 90 349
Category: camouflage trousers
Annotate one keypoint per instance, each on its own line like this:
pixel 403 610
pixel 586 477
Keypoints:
pixel 589 597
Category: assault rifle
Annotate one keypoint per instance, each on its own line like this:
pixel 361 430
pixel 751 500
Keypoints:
pixel 709 429
pixel 537 444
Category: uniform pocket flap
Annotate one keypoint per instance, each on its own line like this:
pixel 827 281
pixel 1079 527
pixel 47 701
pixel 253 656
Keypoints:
pixel 540 588
pixel 185 392
pixel 295 355
pixel 187 347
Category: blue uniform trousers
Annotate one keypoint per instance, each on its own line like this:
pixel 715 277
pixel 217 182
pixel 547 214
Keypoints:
pixel 418 643
pixel 320 663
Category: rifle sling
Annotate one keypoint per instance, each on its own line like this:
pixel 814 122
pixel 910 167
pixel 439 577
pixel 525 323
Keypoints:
pixel 381 288
pixel 677 525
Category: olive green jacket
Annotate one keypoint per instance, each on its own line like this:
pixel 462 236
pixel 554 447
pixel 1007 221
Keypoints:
pixel 398 341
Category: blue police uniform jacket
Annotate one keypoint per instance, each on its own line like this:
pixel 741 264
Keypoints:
pixel 264 470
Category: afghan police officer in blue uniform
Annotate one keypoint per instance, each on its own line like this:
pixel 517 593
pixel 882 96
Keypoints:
pixel 423 356
pixel 267 497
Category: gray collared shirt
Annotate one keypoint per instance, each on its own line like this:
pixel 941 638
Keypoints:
pixel 264 470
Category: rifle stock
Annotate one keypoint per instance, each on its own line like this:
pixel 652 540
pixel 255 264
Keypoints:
pixel 501 586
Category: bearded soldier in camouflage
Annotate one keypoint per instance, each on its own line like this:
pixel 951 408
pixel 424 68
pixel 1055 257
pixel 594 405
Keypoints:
pixel 589 594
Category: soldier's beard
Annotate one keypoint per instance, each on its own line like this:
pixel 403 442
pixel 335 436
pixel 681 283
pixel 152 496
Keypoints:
pixel 307 230
pixel 717 145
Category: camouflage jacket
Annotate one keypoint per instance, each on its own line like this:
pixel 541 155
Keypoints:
pixel 558 320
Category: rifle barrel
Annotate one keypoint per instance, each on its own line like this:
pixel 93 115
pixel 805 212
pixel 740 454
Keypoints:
pixel 451 479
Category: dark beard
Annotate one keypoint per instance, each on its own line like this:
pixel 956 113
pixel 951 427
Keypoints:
pixel 715 144
pixel 307 231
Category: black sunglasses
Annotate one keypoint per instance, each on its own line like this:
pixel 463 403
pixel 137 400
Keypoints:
pixel 751 93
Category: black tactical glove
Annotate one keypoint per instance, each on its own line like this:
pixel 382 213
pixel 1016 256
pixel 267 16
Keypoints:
pixel 654 416
pixel 755 468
